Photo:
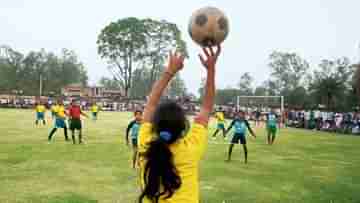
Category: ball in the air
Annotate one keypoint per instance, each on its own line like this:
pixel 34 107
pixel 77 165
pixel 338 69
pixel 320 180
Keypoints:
pixel 208 26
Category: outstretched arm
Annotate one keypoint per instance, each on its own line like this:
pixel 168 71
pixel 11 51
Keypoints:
pixel 176 63
pixel 84 114
pixel 231 125
pixel 208 100
pixel 250 130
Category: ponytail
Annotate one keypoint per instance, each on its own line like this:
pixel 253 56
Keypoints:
pixel 160 175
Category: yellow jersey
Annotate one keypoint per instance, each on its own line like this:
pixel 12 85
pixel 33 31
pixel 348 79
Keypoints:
pixel 61 111
pixel 40 108
pixel 187 153
pixel 220 117
pixel 55 108
pixel 94 108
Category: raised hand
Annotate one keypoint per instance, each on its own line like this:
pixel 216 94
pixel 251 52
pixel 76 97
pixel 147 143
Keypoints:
pixel 176 63
pixel 211 57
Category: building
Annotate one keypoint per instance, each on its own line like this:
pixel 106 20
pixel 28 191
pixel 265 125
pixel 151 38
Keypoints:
pixel 95 92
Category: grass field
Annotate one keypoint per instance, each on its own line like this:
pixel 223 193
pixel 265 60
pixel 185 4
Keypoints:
pixel 303 166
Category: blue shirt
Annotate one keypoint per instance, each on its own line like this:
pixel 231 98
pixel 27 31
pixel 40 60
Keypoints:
pixel 134 127
pixel 240 126
pixel 135 130
pixel 271 120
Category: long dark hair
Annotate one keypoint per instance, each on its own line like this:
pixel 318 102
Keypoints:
pixel 160 176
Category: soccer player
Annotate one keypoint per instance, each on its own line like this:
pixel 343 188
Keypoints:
pixel 59 121
pixel 134 127
pixel 75 113
pixel 54 110
pixel 40 113
pixel 169 160
pixel 94 111
pixel 220 118
pixel 271 126
pixel 257 117
pixel 241 125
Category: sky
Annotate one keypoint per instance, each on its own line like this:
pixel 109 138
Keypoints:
pixel 314 29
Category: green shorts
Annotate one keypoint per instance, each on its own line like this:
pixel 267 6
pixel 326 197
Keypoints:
pixel 134 142
pixel 75 124
pixel 221 126
pixel 40 116
pixel 272 130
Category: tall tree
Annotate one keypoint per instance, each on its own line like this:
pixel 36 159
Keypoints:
pixel 121 43
pixel 141 80
pixel 109 83
pixel 202 88
pixel 12 68
pixel 332 82
pixel 356 79
pixel 19 72
pixel 260 91
pixel 287 71
pixel 226 96
pixel 132 43
pixel 245 84
pixel 177 88
pixel 161 38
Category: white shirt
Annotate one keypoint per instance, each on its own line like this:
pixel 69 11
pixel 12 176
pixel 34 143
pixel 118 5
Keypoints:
pixel 317 114
pixel 324 115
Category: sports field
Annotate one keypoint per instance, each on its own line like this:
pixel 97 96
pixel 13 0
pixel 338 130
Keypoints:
pixel 302 166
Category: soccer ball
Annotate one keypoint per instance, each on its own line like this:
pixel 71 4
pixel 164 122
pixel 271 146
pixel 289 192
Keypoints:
pixel 208 26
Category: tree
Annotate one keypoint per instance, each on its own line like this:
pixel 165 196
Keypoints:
pixel 141 80
pixel 332 82
pixel 11 68
pixel 109 83
pixel 245 84
pixel 19 72
pixel 177 87
pixel 226 96
pixel 121 43
pixel 271 88
pixel 202 88
pixel 132 43
pixel 298 98
pixel 287 71
pixel 161 38
pixel 260 91
pixel 356 79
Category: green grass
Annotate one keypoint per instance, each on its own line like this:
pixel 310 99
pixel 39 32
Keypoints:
pixel 303 166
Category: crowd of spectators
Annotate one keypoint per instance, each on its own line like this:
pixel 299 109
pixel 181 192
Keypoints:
pixel 341 122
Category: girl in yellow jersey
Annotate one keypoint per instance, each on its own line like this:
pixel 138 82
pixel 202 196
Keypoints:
pixel 40 113
pixel 169 155
pixel 220 119
pixel 54 110
pixel 59 121
pixel 94 111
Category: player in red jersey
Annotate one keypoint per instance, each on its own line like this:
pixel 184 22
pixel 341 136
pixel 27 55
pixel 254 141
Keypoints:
pixel 75 113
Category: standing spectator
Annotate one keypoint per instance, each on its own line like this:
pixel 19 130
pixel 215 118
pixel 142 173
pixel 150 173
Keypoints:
pixel 347 122
pixel 338 121
pixel 306 119
pixel 331 120
pixel 318 118
pixel 324 118
pixel 312 122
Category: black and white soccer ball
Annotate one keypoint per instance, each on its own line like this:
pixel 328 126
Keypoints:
pixel 208 26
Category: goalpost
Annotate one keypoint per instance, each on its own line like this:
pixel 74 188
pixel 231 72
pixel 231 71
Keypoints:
pixel 264 103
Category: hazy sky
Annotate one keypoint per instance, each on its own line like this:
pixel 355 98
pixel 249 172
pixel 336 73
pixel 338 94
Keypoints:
pixel 315 29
